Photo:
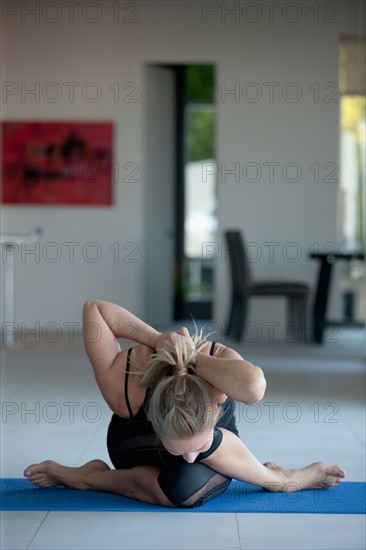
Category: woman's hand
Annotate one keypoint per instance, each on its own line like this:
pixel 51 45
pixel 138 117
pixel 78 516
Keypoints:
pixel 166 339
pixel 183 331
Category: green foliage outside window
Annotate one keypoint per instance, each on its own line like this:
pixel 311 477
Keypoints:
pixel 199 98
pixel 199 84
pixel 200 138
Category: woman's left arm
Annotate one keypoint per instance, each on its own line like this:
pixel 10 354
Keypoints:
pixel 233 459
pixel 230 373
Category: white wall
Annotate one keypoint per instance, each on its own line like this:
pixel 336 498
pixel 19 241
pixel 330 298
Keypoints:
pixel 159 171
pixel 108 51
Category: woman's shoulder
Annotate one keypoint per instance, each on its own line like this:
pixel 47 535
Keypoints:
pixel 124 376
pixel 142 355
pixel 210 347
pixel 219 349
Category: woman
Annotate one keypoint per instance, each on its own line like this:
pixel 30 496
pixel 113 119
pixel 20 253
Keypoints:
pixel 172 437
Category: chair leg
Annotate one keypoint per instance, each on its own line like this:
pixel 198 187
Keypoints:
pixel 237 317
pixel 301 318
pixel 291 318
pixel 231 318
pixel 242 317
pixel 304 319
pixel 297 318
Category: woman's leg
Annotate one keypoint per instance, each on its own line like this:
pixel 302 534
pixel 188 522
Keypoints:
pixel 191 484
pixel 139 483
pixel 181 484
pixel 187 487
pixel 318 475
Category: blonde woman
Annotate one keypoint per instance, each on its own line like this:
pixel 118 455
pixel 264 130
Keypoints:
pixel 172 438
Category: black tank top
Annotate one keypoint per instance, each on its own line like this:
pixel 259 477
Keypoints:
pixel 226 420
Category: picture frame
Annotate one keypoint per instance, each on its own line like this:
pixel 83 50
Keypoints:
pixel 58 162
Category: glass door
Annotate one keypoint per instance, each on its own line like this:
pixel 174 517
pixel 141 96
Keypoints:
pixel 200 191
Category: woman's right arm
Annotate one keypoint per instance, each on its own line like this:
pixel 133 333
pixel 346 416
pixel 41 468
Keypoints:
pixel 104 323
pixel 231 374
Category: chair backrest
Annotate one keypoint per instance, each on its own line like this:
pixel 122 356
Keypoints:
pixel 238 262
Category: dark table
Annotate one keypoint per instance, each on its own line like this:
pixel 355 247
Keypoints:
pixel 322 290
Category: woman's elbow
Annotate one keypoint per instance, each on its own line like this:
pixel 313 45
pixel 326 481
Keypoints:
pixel 89 309
pixel 257 390
pixel 261 389
pixel 89 304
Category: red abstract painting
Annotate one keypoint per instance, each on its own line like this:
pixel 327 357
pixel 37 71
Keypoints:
pixel 57 163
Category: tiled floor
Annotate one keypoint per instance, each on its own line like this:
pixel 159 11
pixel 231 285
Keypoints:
pixel 313 410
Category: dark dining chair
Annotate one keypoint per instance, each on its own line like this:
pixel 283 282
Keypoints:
pixel 243 287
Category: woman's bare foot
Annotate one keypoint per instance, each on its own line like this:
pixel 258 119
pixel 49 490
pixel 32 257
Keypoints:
pixel 318 475
pixel 51 474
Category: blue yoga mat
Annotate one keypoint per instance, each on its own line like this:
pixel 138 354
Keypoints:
pixel 347 498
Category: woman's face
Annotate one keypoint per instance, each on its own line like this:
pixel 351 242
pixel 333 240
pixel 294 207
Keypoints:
pixel 190 448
